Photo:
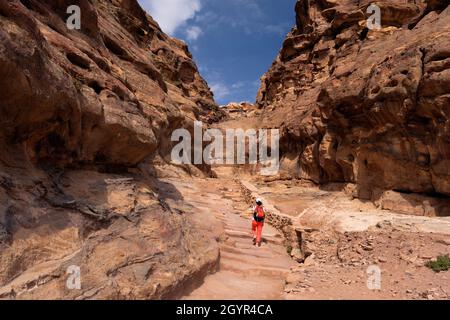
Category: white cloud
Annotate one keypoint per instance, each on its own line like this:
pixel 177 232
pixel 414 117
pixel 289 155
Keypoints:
pixel 221 91
pixel 171 14
pixel 245 85
pixel 249 6
pixel 238 85
pixel 247 16
pixel 192 33
pixel 278 29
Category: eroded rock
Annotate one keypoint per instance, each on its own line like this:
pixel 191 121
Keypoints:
pixel 368 107
pixel 83 114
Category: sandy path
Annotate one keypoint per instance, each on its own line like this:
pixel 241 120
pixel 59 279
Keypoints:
pixel 245 271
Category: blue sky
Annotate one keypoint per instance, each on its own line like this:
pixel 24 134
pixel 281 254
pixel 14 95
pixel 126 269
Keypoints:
pixel 234 42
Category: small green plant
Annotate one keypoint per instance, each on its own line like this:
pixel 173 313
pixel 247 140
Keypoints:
pixel 442 263
pixel 289 249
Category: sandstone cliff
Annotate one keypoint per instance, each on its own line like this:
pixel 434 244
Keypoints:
pixel 369 107
pixel 240 110
pixel 83 114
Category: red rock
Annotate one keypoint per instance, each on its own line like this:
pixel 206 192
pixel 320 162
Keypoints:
pixel 366 107
pixel 80 110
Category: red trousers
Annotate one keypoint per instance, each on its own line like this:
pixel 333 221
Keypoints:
pixel 257 230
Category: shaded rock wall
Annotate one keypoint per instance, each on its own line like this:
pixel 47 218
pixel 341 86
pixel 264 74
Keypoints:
pixel 65 94
pixel 83 113
pixel 370 107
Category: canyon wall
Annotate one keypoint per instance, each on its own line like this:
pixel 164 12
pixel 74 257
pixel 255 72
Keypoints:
pixel 85 114
pixel 367 107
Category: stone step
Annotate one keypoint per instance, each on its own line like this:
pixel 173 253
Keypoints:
pixel 262 252
pixel 254 260
pixel 240 267
pixel 248 235
pixel 225 285
pixel 247 262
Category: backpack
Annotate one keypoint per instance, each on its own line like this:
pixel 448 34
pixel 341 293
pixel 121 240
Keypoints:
pixel 258 214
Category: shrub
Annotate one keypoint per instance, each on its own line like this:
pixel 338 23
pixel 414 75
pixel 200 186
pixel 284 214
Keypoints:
pixel 442 263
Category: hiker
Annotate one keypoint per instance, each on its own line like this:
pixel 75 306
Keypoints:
pixel 259 214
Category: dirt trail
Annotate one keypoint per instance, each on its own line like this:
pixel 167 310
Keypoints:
pixel 337 268
pixel 245 271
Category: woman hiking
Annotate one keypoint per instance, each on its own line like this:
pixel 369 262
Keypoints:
pixel 259 214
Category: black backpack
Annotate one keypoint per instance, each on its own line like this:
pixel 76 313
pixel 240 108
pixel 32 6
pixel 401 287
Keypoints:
pixel 258 219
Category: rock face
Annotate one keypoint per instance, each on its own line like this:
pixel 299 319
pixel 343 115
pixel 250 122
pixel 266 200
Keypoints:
pixel 369 107
pixel 83 113
pixel 240 110
pixel 65 94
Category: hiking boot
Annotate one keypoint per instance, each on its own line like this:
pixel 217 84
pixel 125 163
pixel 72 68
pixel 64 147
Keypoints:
pixel 254 241
pixel 259 244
